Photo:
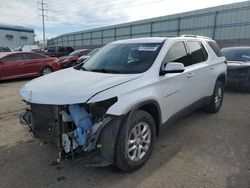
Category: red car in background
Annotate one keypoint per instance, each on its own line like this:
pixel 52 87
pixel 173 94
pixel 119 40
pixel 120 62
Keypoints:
pixel 71 59
pixel 26 64
pixel 90 54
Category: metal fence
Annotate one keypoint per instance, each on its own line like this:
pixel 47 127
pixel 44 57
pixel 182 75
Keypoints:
pixel 223 23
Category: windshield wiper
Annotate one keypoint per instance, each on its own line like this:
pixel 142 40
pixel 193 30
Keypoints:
pixel 84 68
pixel 105 71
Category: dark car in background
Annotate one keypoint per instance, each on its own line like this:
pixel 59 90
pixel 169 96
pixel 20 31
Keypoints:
pixel 84 57
pixel 58 51
pixel 4 49
pixel 238 67
pixel 26 64
pixel 71 59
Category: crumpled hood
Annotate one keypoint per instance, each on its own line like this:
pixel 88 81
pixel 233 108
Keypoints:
pixel 71 86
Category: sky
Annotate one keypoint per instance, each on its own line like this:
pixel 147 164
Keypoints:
pixel 64 16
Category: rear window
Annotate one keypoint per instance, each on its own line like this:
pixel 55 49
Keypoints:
pixel 14 57
pixel 215 48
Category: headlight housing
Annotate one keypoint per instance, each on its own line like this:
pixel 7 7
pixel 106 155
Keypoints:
pixel 99 109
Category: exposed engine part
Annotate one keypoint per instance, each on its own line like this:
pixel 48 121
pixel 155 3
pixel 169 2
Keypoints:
pixel 66 143
pixel 74 128
pixel 65 116
pixel 83 124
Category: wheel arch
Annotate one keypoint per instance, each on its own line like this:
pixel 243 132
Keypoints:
pixel 153 108
pixel 223 78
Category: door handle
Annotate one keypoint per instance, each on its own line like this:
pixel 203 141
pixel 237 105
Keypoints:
pixel 212 67
pixel 190 75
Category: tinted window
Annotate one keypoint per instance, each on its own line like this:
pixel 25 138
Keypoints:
pixel 176 53
pixel 51 49
pixel 14 57
pixel 124 58
pixel 197 52
pixel 215 48
pixel 61 49
pixel 4 49
pixel 33 56
pixel 237 54
pixel 69 49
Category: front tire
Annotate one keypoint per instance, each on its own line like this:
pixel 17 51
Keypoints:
pixel 216 99
pixel 135 141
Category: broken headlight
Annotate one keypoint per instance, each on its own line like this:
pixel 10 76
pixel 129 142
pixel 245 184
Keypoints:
pixel 87 122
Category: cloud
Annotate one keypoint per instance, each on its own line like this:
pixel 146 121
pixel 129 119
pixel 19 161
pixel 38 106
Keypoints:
pixel 67 16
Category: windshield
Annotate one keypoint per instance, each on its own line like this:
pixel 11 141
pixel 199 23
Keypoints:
pixel 93 52
pixel 123 58
pixel 74 53
pixel 241 54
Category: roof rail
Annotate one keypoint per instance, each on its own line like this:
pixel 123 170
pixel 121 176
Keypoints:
pixel 197 36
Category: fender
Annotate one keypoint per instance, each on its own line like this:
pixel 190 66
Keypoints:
pixel 222 77
pixel 108 136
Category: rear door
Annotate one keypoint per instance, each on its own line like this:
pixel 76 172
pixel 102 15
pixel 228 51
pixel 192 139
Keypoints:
pixel 199 69
pixel 33 64
pixel 176 88
pixel 12 66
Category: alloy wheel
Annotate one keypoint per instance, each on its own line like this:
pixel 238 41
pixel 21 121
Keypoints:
pixel 139 141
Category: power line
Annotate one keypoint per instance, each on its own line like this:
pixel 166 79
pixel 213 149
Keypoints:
pixel 41 7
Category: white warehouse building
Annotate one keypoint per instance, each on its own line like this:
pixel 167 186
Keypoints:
pixel 15 36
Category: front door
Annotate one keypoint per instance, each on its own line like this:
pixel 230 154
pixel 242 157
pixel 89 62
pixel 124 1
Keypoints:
pixel 176 88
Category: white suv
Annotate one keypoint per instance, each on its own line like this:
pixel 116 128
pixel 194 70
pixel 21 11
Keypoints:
pixel 110 109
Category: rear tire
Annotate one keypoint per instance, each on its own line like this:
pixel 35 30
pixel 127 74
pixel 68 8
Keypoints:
pixel 216 99
pixel 46 70
pixel 135 141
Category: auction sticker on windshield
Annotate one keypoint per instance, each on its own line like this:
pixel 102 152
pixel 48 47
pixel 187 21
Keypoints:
pixel 148 48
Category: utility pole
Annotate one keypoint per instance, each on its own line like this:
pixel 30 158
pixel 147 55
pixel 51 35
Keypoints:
pixel 41 7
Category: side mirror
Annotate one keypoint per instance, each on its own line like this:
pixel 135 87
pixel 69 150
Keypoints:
pixel 173 67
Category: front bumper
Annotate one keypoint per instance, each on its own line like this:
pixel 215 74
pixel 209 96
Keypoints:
pixel 239 77
pixel 46 124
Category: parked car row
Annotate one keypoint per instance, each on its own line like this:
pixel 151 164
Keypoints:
pixel 19 64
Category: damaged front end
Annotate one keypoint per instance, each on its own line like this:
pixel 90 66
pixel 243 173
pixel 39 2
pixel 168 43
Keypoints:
pixel 79 130
pixel 239 77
